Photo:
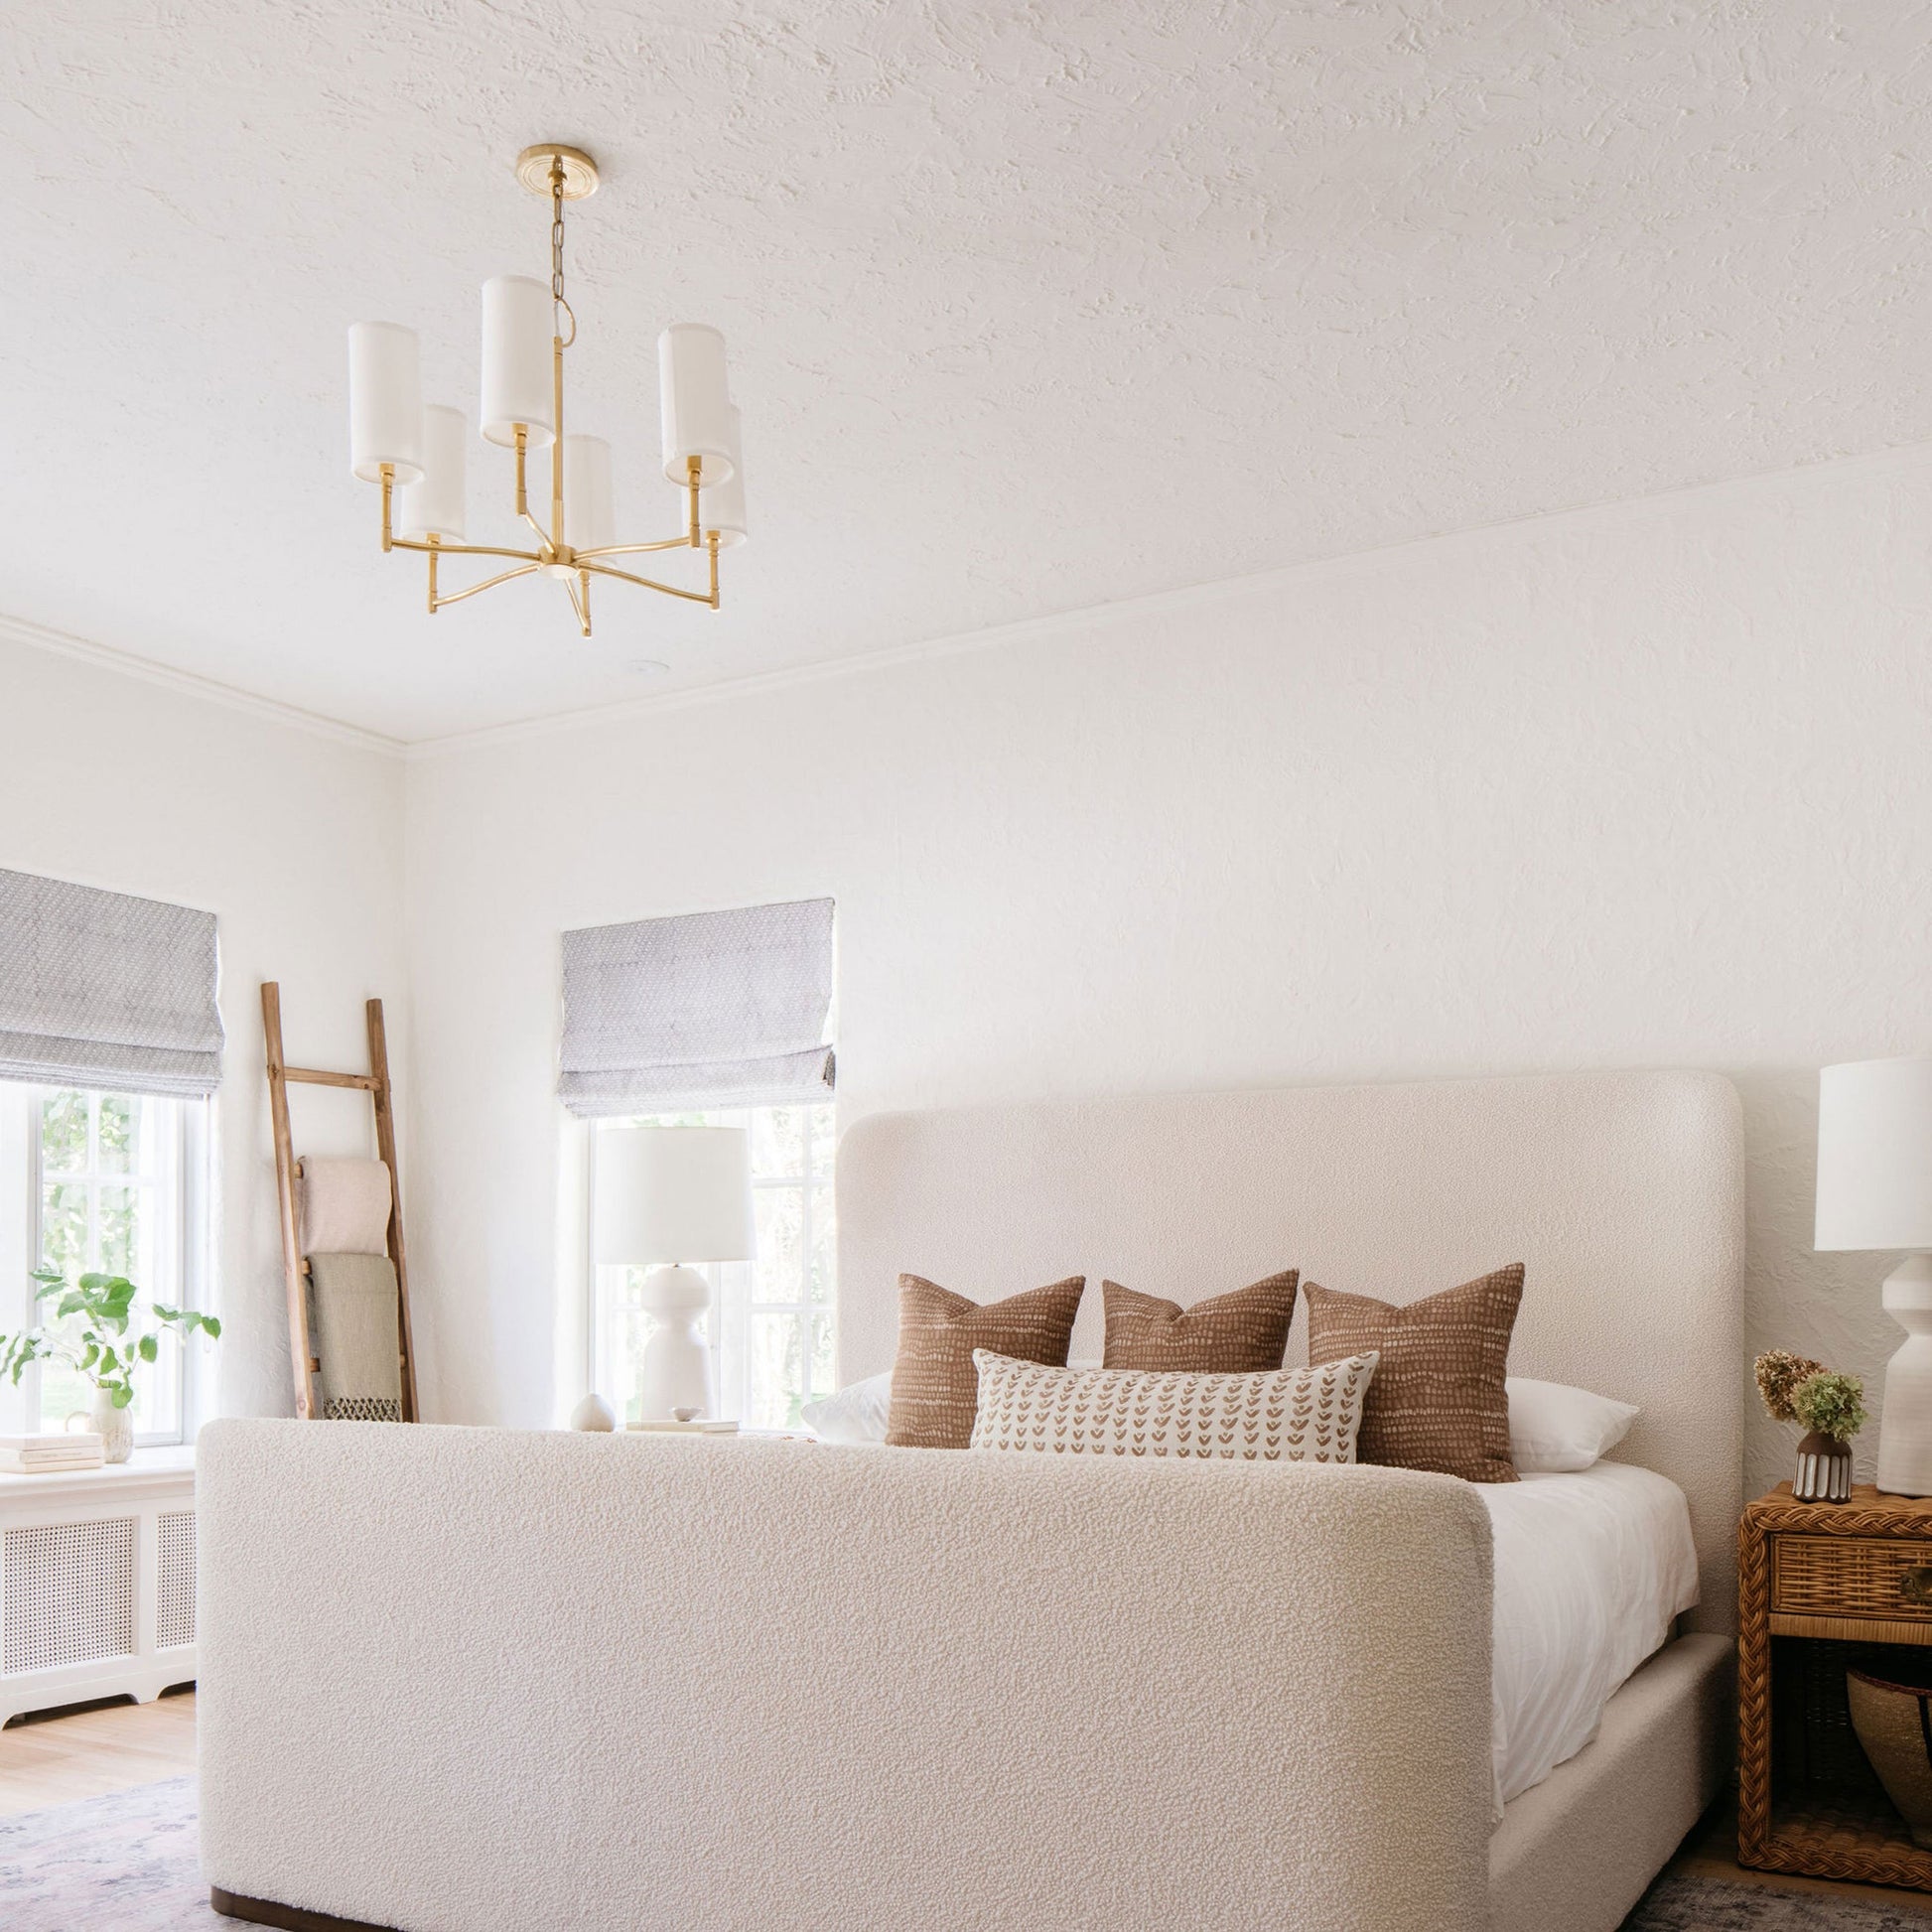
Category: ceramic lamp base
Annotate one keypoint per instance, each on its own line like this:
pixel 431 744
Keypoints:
pixel 1905 1415
pixel 677 1364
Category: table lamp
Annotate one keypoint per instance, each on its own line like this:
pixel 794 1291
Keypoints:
pixel 670 1196
pixel 1874 1191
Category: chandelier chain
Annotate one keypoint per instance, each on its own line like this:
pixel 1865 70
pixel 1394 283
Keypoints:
pixel 557 250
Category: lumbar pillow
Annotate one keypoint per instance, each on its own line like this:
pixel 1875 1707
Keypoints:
pixel 1556 1430
pixel 1232 1334
pixel 856 1413
pixel 934 1388
pixel 1283 1415
pixel 1437 1402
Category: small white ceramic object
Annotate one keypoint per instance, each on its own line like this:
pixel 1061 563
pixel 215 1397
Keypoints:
pixel 593 1415
pixel 114 1426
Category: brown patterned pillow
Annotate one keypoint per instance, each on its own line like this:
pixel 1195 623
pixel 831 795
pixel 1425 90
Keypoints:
pixel 1242 1333
pixel 935 1388
pixel 1438 1400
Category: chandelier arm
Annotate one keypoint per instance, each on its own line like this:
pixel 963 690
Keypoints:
pixel 487 584
pixel 646 583
pixel 470 550
pixel 679 542
pixel 543 536
pixel 580 604
pixel 693 469
pixel 712 538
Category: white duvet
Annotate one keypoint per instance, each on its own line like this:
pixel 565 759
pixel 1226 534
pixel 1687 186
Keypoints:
pixel 1591 1569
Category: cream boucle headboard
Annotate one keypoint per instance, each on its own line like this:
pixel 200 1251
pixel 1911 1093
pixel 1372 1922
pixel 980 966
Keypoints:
pixel 1623 1193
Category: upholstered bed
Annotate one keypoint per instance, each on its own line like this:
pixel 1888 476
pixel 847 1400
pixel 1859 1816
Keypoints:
pixel 474 1679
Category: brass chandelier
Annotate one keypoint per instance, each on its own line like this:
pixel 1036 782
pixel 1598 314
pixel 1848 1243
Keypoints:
pixel 417 454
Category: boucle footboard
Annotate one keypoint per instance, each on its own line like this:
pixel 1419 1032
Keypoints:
pixel 479 1681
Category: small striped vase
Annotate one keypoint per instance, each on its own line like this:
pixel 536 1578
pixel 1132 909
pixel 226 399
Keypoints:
pixel 1824 1471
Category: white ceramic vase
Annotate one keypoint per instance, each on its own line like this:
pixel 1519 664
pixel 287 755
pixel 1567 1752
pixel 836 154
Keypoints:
pixel 114 1426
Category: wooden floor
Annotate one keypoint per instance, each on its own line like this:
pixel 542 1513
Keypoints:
pixel 86 1753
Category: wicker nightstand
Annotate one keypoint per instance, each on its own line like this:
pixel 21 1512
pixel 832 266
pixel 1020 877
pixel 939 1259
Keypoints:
pixel 1820 1587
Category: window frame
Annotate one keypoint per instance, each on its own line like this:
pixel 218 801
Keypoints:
pixel 22 1247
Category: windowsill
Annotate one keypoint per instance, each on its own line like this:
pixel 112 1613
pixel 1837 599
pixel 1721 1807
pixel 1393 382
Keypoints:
pixel 163 1465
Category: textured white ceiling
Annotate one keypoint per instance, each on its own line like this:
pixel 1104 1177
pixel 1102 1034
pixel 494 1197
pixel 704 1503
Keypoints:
pixel 1031 307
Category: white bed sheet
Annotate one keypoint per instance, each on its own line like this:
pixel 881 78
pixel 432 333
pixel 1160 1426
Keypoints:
pixel 1591 1569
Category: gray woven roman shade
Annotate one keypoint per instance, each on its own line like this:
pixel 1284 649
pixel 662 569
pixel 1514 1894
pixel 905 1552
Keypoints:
pixel 711 1010
pixel 100 990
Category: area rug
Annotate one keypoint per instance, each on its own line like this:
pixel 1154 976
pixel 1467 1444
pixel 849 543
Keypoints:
pixel 125 1863
pixel 128 1862
pixel 1693 1903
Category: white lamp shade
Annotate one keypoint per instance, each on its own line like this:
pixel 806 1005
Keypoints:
pixel 721 507
pixel 1875 1155
pixel 433 506
pixel 518 323
pixel 385 401
pixel 694 401
pixel 673 1193
pixel 589 523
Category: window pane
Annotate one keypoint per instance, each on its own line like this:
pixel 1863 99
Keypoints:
pixel 824 1135
pixel 63 1226
pixel 778 1143
pixel 118 1220
pixel 779 1270
pixel 63 1133
pixel 777 1372
pixel 120 1127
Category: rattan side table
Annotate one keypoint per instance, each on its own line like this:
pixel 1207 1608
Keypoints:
pixel 1822 1587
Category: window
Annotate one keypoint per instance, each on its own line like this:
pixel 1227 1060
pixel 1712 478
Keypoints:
pixel 108 1182
pixel 772 1319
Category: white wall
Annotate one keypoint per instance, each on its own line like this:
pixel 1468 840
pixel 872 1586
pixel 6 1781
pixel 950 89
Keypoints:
pixel 292 837
pixel 1636 787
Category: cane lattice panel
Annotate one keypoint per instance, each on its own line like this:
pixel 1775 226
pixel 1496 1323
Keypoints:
pixel 1852 1575
pixel 69 1594
pixel 174 1582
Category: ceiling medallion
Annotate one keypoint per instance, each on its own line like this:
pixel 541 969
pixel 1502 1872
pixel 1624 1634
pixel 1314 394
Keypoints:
pixel 396 441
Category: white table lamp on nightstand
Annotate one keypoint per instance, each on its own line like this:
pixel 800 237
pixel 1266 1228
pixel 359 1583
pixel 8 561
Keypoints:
pixel 1874 1191
pixel 672 1195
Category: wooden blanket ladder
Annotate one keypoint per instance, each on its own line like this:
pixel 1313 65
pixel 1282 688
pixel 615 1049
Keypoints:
pixel 375 1083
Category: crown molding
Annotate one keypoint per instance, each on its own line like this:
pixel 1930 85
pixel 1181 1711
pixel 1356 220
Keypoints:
pixel 189 684
pixel 1190 598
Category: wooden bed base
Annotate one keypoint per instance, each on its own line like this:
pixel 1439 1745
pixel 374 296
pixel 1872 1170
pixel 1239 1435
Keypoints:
pixel 290 1918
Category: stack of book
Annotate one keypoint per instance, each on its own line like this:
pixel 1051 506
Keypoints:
pixel 38 1455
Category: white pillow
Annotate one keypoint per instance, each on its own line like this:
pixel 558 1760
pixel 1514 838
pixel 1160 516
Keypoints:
pixel 858 1413
pixel 1554 1430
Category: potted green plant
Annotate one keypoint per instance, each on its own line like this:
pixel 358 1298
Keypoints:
pixel 102 1347
pixel 1830 1406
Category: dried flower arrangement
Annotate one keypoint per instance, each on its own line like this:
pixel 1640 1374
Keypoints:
pixel 1830 1406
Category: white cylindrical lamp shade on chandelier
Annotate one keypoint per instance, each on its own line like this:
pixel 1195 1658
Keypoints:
pixel 385 403
pixel 516 361
pixel 433 506
pixel 586 490
pixel 694 404
pixel 527 325
pixel 722 506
